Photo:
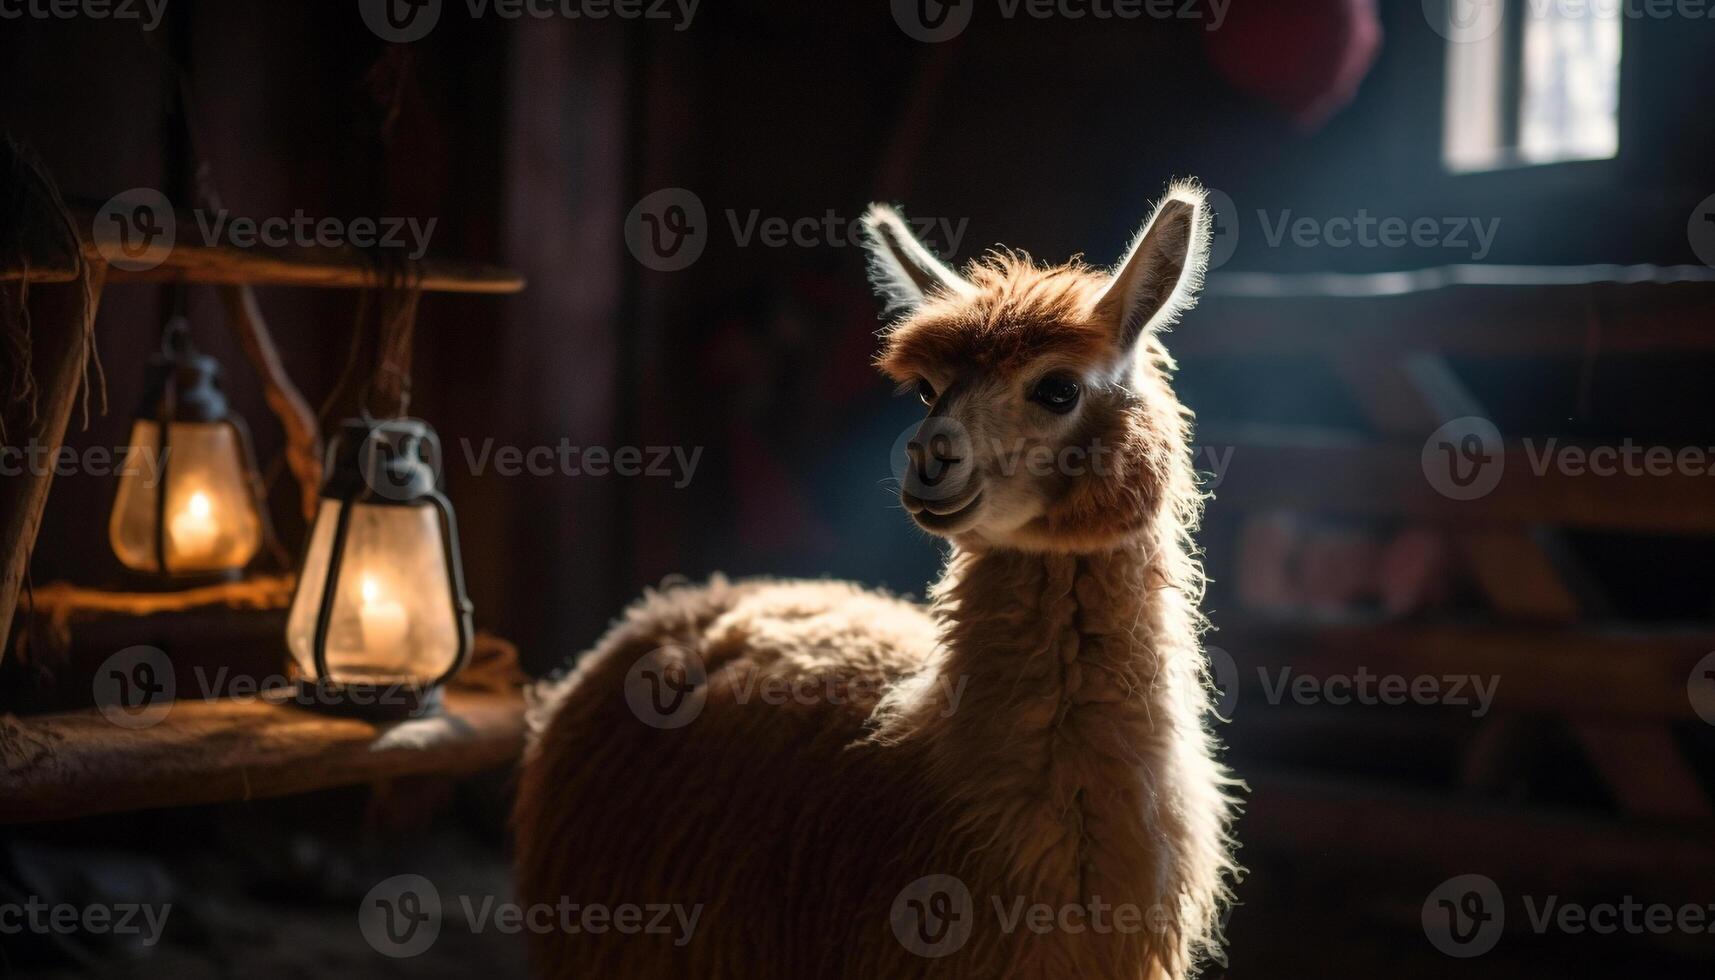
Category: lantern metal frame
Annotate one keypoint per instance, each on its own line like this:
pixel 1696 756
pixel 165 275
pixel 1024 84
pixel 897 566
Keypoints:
pixel 359 471
pixel 182 385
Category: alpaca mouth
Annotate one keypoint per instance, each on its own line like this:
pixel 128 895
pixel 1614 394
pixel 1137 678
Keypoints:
pixel 943 520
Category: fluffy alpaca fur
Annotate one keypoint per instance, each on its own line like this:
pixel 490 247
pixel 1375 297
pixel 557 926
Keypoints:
pixel 1039 732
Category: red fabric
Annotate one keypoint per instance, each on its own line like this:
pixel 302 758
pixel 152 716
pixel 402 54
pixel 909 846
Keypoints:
pixel 1305 57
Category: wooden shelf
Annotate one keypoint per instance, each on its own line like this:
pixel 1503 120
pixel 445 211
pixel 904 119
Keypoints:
pixel 1586 669
pixel 1360 827
pixel 1296 468
pixel 186 261
pixel 75 764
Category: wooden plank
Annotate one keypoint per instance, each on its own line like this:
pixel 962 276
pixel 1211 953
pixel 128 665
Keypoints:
pixel 1518 576
pixel 1415 834
pixel 61 316
pixel 1642 764
pixel 1275 468
pixel 1458 320
pixel 1523 570
pixel 1582 670
pixel 263 265
pixel 76 764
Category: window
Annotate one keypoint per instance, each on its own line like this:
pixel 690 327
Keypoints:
pixel 1539 85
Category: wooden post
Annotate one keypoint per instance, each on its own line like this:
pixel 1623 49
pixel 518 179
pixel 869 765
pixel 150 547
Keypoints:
pixel 61 316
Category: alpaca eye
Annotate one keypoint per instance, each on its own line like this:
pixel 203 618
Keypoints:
pixel 926 391
pixel 1056 394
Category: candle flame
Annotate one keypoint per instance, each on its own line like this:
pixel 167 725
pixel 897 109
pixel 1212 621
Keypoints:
pixel 199 505
pixel 371 590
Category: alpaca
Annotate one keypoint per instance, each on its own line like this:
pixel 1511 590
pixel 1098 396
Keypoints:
pixel 1016 781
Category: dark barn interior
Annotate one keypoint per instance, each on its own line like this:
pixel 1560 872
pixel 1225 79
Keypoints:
pixel 1449 374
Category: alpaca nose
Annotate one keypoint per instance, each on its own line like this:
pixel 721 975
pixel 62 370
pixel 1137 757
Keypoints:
pixel 938 464
pixel 932 460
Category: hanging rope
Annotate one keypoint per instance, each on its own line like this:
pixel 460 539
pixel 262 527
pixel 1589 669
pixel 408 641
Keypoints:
pixel 31 208
pixel 385 324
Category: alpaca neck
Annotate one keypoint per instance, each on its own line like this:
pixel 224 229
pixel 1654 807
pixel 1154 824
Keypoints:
pixel 1046 644
pixel 1063 721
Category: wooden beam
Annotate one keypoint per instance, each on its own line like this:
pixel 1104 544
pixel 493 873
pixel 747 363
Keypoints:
pixel 1641 762
pixel 61 766
pixel 1580 670
pixel 1486 320
pixel 261 265
pixel 1415 834
pixel 1276 468
pixel 61 316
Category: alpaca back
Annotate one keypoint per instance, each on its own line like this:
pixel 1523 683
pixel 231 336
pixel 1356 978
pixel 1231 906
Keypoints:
pixel 808 835
pixel 769 814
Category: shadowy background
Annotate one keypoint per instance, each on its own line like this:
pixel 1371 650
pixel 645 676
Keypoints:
pixel 530 142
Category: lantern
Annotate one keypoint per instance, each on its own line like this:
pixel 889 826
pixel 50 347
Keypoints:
pixel 188 504
pixel 380 619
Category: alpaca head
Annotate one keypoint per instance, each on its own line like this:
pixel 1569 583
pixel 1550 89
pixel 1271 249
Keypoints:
pixel 1050 425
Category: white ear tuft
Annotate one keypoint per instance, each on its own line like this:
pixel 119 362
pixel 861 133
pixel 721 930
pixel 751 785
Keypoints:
pixel 902 269
pixel 1162 271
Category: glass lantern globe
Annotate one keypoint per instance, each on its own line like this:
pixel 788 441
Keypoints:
pixel 188 503
pixel 380 619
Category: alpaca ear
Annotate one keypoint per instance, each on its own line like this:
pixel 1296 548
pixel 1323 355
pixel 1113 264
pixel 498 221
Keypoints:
pixel 1159 277
pixel 902 269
